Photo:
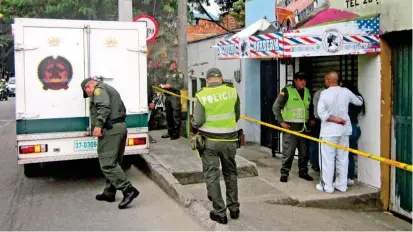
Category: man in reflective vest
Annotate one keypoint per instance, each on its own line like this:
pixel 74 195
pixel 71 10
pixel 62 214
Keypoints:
pixel 292 110
pixel 216 113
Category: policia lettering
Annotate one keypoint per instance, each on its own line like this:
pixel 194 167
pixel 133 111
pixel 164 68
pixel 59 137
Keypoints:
pixel 108 113
pixel 219 109
pixel 216 114
pixel 292 107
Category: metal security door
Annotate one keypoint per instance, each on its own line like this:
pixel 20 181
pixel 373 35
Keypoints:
pixel 401 196
pixel 269 91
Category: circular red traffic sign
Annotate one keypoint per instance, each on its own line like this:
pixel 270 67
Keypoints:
pixel 152 26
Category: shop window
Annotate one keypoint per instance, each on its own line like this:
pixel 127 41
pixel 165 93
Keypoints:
pixel 230 83
pixel 203 82
pixel 317 67
pixel 194 88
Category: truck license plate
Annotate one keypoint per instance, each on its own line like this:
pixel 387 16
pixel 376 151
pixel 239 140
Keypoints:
pixel 86 145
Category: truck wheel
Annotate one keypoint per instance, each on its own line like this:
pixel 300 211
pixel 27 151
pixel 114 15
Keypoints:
pixel 31 170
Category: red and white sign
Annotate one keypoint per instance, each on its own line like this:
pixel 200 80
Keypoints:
pixel 152 26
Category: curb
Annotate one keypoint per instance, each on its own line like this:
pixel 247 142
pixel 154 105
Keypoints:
pixel 168 183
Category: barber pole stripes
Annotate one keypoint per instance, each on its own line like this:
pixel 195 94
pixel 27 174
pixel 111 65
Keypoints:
pixel 358 37
pixel 302 40
pixel 362 39
pixel 222 51
pixel 270 53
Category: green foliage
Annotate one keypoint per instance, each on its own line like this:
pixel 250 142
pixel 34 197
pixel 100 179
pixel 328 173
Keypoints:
pixel 238 11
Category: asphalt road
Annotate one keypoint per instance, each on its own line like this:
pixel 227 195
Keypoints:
pixel 63 197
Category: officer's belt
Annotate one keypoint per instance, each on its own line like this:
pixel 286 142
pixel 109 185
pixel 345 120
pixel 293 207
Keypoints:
pixel 118 120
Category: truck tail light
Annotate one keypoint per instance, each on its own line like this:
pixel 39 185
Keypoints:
pixel 38 148
pixel 136 141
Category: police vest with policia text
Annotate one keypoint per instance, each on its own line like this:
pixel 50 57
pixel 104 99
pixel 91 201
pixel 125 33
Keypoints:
pixel 296 110
pixel 219 103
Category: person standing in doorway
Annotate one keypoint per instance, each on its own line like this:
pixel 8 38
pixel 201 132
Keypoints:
pixel 335 128
pixel 216 112
pixel 292 109
pixel 174 83
pixel 314 146
pixel 108 114
pixel 354 112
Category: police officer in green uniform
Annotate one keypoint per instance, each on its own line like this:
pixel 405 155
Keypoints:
pixel 108 113
pixel 216 112
pixel 293 109
pixel 174 83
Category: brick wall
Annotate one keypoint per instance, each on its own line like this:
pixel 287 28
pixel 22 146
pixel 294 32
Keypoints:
pixel 206 28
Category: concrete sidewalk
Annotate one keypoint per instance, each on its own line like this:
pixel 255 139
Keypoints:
pixel 266 203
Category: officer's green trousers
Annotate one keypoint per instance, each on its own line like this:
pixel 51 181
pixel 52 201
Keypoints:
pixel 111 147
pixel 290 143
pixel 214 154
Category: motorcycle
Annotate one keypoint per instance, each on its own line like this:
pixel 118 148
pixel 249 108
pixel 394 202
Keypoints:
pixel 3 93
pixel 158 121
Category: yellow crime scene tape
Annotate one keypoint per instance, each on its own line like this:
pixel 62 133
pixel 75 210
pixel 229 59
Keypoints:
pixel 390 162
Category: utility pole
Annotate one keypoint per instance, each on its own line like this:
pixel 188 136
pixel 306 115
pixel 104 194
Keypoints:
pixel 182 42
pixel 183 62
pixel 125 10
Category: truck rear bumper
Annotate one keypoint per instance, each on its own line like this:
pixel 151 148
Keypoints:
pixel 27 160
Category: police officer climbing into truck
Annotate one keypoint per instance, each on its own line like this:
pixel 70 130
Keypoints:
pixel 108 114
pixel 292 110
pixel 174 83
pixel 216 112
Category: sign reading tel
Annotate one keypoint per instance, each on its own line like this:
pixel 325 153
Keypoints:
pixel 152 26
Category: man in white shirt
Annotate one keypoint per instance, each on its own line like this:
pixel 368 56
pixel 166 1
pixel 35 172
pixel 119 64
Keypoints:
pixel 335 128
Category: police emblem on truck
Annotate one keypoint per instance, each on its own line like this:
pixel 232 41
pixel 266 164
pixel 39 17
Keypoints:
pixel 55 73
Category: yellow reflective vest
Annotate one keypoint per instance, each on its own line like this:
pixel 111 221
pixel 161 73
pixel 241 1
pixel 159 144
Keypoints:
pixel 296 110
pixel 219 103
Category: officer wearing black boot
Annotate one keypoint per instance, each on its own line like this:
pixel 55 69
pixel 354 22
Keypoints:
pixel 174 83
pixel 108 113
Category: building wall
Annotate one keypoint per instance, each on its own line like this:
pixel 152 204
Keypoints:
pixel 201 57
pixel 206 28
pixel 369 83
pixel 253 99
pixel 393 17
pixel 396 17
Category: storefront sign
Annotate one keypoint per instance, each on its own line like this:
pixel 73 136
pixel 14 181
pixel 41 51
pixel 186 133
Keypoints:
pixel 360 36
pixel 266 45
pixel 259 46
pixel 229 49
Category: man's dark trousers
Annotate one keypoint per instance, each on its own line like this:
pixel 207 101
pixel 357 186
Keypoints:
pixel 173 115
pixel 214 154
pixel 290 143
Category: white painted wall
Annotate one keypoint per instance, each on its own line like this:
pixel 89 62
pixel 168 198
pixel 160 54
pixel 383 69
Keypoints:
pixel 369 82
pixel 201 51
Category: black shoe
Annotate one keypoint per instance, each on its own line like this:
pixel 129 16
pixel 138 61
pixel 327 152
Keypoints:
pixel 128 195
pixel 234 215
pixel 284 179
pixel 217 218
pixel 103 197
pixel 174 137
pixel 306 177
pixel 166 136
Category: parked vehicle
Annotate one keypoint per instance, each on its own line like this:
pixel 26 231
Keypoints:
pixel 52 58
pixel 12 87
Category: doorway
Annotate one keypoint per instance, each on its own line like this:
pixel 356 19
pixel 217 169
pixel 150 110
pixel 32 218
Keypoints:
pixel 270 82
pixel 401 196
